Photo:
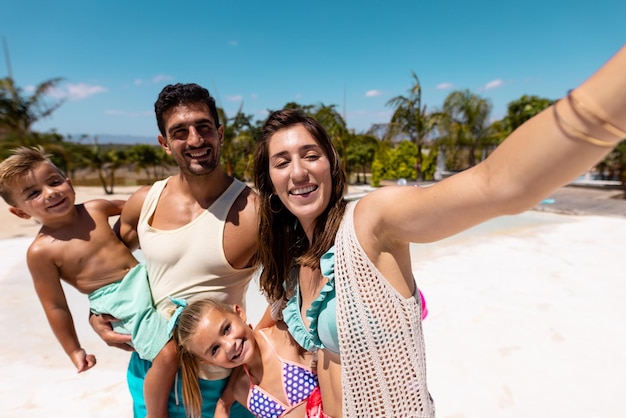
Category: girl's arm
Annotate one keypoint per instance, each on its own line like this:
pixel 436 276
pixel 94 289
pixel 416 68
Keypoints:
pixel 236 390
pixel 266 320
pixel 159 380
pixel 47 282
pixel 545 153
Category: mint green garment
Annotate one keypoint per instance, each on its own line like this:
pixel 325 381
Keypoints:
pixel 130 301
pixel 322 314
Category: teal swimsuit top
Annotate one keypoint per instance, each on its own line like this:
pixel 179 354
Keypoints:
pixel 322 314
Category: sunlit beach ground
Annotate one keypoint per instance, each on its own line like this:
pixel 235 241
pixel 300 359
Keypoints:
pixel 525 319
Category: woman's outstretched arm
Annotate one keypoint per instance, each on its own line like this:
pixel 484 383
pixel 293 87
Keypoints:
pixel 545 153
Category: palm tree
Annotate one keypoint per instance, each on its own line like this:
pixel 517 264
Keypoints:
pixel 524 108
pixel 333 123
pixel 238 142
pixel 146 157
pixel 466 118
pixel 361 152
pixel 335 126
pixel 104 162
pixel 18 112
pixel 410 118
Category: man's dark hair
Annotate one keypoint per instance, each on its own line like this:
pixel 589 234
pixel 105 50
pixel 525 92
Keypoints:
pixel 174 95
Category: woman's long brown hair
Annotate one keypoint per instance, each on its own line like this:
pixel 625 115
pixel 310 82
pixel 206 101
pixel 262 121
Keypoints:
pixel 282 242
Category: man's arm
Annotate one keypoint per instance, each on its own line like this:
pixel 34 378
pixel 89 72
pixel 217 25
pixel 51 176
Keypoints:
pixel 130 218
pixel 101 324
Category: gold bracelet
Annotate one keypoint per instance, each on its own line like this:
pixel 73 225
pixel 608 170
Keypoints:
pixel 580 134
pixel 608 126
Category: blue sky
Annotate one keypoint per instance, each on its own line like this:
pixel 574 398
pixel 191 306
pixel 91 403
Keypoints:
pixel 115 56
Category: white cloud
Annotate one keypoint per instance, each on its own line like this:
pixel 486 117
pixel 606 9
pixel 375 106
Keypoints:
pixel 81 91
pixel 154 80
pixel 444 86
pixel 373 93
pixel 236 98
pixel 254 96
pixel 493 84
pixel 232 43
pixel 161 77
pixel 72 92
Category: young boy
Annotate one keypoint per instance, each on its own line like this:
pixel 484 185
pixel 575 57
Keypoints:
pixel 76 244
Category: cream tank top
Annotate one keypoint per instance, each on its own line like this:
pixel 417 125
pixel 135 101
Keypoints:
pixel 189 262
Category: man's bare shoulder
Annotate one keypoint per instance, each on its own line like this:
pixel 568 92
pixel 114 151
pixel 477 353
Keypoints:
pixel 252 199
pixel 133 205
pixel 245 209
pixel 241 230
pixel 140 193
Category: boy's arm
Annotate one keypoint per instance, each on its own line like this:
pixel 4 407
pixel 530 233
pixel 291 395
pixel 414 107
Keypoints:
pixel 117 205
pixel 112 207
pixel 47 282
pixel 109 208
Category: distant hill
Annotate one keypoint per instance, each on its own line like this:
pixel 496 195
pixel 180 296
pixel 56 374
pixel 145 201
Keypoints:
pixel 120 139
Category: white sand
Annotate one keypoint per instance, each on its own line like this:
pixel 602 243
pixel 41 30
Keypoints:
pixel 529 323
pixel 525 321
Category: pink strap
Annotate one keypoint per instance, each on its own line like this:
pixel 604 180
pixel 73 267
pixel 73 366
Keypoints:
pixel 424 308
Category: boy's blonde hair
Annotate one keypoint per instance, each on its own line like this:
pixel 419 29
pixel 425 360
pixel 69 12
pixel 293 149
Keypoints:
pixel 22 161
pixel 185 328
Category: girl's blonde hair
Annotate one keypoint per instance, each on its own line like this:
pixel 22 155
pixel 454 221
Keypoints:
pixel 186 327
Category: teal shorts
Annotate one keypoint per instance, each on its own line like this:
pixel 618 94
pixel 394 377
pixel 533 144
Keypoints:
pixel 211 391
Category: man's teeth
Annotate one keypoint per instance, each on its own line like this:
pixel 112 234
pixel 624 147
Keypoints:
pixel 198 154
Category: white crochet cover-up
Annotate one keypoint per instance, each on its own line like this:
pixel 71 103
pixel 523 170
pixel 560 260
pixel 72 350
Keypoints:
pixel 380 337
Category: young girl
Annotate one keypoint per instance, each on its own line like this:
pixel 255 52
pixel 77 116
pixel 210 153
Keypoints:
pixel 273 375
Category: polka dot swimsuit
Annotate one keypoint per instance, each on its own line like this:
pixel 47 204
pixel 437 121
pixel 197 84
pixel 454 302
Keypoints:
pixel 298 384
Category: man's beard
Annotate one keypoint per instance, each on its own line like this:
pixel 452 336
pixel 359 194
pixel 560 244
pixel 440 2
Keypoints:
pixel 202 168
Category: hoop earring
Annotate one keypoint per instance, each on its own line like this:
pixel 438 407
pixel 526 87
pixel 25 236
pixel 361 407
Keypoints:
pixel 275 210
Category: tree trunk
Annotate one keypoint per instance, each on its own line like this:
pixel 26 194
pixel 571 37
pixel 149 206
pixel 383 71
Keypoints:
pixel 418 165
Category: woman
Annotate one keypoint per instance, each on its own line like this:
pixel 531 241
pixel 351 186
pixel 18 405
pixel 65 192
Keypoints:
pixel 346 268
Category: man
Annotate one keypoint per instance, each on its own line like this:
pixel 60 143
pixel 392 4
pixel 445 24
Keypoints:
pixel 197 231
